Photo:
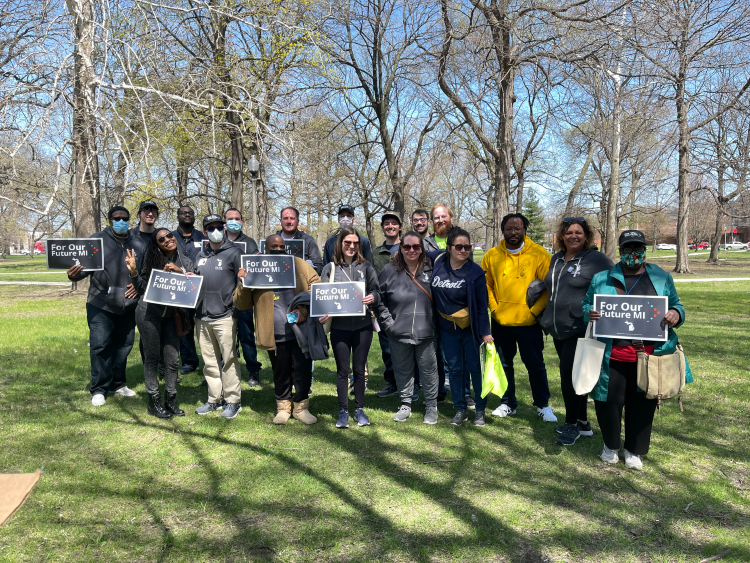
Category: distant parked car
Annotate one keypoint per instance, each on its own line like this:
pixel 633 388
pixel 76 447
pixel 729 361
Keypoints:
pixel 663 246
pixel 734 246
pixel 25 252
pixel 701 246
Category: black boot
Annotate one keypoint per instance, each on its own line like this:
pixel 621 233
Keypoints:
pixel 155 408
pixel 171 406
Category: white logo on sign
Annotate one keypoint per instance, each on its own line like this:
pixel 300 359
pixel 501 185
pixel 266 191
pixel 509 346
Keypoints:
pixel 631 328
pixel 338 305
pixel 78 263
pixel 270 278
pixel 172 294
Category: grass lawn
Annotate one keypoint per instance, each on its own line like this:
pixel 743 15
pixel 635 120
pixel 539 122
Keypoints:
pixel 119 485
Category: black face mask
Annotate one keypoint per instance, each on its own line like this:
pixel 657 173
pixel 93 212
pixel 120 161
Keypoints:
pixel 269 251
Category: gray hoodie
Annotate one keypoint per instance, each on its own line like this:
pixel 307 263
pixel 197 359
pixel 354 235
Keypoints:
pixel 362 271
pixel 567 284
pixel 405 311
pixel 219 269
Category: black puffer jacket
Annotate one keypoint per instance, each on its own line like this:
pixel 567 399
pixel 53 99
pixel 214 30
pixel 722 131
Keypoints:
pixel 567 284
pixel 108 286
pixel 364 272
pixel 405 311
pixel 219 269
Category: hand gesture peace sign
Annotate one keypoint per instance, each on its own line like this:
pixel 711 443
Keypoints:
pixel 130 261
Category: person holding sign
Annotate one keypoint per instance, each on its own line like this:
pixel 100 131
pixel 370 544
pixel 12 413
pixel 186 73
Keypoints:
pixel 459 288
pixel 568 279
pixel 214 319
pixel 156 323
pixel 405 312
pixel 110 307
pixel 274 333
pixel 617 387
pixel 245 326
pixel 351 337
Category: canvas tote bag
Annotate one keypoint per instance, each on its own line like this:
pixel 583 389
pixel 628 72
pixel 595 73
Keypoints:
pixel 587 364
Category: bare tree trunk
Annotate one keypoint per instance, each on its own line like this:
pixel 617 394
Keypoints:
pixel 519 192
pixel 613 196
pixel 182 180
pixel 86 164
pixel 119 178
pixel 682 264
pixel 579 181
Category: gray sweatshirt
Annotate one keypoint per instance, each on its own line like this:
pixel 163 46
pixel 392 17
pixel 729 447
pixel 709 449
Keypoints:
pixel 405 311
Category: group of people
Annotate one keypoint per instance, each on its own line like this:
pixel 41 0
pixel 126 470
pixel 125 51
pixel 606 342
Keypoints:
pixel 430 304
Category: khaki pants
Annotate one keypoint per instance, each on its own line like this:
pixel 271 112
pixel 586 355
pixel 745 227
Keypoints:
pixel 218 341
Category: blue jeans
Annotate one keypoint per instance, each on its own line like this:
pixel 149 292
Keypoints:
pixel 462 361
pixel 529 341
pixel 246 336
pixel 111 337
pixel 188 353
pixel 385 350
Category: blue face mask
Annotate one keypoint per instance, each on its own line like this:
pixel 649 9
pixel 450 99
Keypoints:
pixel 234 226
pixel 120 226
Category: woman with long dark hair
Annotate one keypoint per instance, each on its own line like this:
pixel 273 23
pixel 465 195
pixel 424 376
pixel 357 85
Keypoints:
pixel 459 288
pixel 156 323
pixel 351 337
pixel 570 273
pixel 405 312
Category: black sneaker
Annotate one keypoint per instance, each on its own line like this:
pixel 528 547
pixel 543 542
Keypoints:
pixel 479 418
pixel 569 435
pixel 387 391
pixel 231 410
pixel 253 381
pixel 584 429
pixel 470 404
pixel 188 369
pixel 460 418
pixel 209 407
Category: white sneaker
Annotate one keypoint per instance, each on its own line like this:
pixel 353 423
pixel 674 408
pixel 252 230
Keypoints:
pixel 633 461
pixel 503 410
pixel 98 400
pixel 610 456
pixel 125 392
pixel 546 414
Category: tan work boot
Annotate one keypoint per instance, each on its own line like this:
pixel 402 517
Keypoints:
pixel 301 412
pixel 284 411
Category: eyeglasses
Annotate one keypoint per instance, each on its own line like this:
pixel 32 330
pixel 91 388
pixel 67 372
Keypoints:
pixel 165 237
pixel 409 247
pixel 187 213
pixel 149 211
pixel 216 228
pixel 419 221
pixel 463 247
pixel 350 243
pixel 569 219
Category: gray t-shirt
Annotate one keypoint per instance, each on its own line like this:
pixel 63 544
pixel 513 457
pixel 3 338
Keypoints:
pixel 282 330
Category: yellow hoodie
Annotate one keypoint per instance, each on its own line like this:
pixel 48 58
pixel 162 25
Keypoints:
pixel 508 278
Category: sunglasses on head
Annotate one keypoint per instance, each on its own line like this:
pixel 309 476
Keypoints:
pixel 350 243
pixel 569 219
pixel 165 237
pixel 216 228
pixel 411 247
pixel 462 247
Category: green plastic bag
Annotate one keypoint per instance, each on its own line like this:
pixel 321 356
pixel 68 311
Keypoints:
pixel 493 374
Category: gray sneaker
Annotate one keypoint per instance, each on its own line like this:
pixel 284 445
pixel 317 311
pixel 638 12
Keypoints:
pixel 231 410
pixel 209 407
pixel 430 415
pixel 403 413
pixel 460 418
pixel 479 418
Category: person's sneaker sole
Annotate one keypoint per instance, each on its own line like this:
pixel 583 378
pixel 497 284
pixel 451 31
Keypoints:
pixel 561 441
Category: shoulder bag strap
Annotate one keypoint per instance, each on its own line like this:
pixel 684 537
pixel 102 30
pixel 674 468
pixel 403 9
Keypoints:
pixel 419 285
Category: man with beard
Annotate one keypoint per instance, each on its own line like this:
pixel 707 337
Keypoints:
pixel 289 231
pixel 189 240
pixel 420 222
pixel 442 221
pixel 510 268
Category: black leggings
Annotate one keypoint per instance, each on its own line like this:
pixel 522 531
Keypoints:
pixel 639 411
pixel 575 405
pixel 354 345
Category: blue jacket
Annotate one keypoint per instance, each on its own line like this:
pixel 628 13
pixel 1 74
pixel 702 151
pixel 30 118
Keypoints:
pixel 478 297
pixel 602 283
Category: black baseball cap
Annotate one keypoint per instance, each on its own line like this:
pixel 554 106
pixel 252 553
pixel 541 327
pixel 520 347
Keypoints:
pixel 626 237
pixel 348 208
pixel 147 203
pixel 213 218
pixel 389 216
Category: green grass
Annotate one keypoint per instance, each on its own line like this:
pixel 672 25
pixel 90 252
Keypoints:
pixel 120 485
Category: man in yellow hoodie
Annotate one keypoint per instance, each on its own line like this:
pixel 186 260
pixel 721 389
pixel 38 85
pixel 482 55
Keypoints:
pixel 511 267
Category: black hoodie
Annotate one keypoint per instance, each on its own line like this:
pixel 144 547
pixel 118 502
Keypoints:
pixel 219 269
pixel 107 289
pixel 567 284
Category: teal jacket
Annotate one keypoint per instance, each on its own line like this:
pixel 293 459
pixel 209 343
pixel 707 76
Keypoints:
pixel 664 284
